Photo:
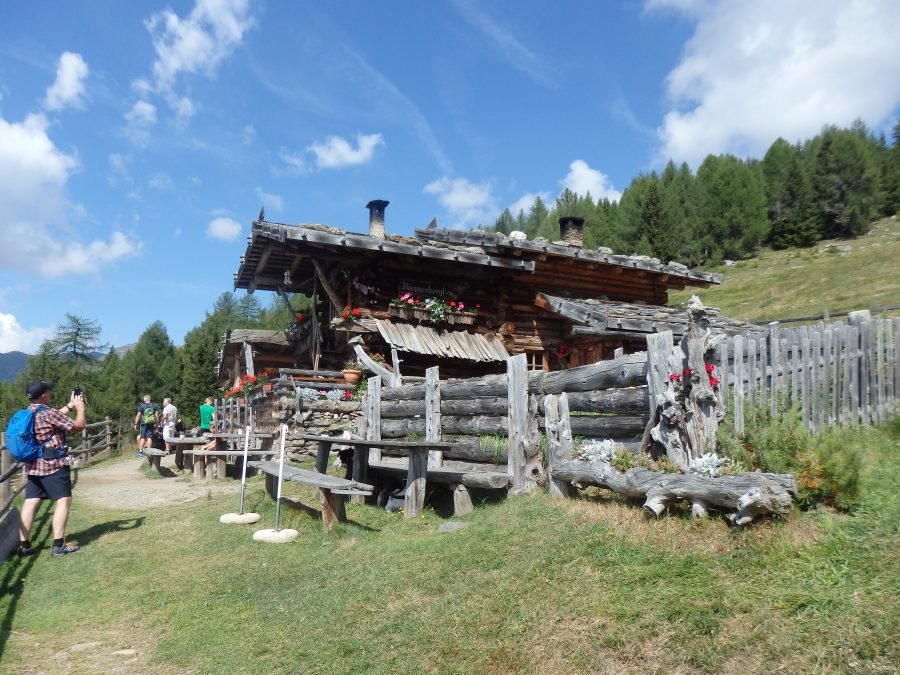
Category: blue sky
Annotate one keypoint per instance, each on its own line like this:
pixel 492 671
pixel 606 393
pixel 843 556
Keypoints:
pixel 139 140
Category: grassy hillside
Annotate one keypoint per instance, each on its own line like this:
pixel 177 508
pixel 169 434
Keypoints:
pixel 838 275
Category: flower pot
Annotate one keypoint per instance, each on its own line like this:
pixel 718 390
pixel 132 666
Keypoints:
pixel 267 387
pixel 352 376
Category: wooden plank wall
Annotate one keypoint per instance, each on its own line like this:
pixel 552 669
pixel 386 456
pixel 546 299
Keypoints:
pixel 836 374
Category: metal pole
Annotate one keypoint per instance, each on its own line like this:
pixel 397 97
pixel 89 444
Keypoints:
pixel 280 475
pixel 244 467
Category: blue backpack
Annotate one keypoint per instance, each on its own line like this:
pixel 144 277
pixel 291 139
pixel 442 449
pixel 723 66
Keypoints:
pixel 21 442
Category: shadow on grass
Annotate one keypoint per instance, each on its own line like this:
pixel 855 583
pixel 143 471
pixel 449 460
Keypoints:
pixel 15 571
pixel 94 532
pixel 316 514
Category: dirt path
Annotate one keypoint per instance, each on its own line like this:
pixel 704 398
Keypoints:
pixel 123 485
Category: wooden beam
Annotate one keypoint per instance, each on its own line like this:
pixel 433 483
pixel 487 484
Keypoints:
pixel 329 290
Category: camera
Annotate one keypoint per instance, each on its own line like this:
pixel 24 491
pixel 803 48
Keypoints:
pixel 77 390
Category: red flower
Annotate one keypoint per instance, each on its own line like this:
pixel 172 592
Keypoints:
pixel 674 377
pixel 713 381
pixel 346 314
pixel 356 312
pixel 710 368
pixel 348 395
pixel 687 372
pixel 452 303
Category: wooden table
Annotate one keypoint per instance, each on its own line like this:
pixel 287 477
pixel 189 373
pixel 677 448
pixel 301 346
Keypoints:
pixel 189 442
pixel 416 475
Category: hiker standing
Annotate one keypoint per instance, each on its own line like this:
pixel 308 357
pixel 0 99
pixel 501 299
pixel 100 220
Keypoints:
pixel 169 420
pixel 207 415
pixel 48 476
pixel 144 421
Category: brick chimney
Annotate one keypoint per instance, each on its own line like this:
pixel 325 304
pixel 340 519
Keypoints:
pixel 376 217
pixel 571 230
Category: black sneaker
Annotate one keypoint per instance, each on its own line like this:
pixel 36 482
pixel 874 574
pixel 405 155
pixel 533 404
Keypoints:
pixel 65 549
pixel 24 551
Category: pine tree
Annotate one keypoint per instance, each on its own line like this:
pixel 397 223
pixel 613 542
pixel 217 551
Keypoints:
pixel 795 222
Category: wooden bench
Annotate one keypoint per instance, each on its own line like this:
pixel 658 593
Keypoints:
pixel 417 471
pixel 331 488
pixel 211 464
pixel 154 457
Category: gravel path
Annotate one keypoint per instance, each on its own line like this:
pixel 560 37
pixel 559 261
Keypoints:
pixel 123 485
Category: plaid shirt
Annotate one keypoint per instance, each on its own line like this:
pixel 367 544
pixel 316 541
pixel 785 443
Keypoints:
pixel 50 427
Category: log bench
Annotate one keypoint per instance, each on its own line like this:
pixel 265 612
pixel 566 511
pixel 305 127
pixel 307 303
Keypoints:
pixel 331 488
pixel 415 466
pixel 154 457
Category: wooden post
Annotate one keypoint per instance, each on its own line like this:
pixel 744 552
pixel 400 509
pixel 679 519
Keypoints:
pixel 751 375
pixel 415 482
pixel 853 377
pixel 559 441
pixel 763 366
pixel 723 371
pixel 806 380
pixel 775 365
pixel 433 415
pixel 881 409
pixel 322 454
pixel 890 359
pixel 738 343
pixel 523 466
pixel 373 415
pixel 360 471
pixel 462 500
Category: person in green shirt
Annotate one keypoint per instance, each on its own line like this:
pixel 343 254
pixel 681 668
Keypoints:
pixel 207 416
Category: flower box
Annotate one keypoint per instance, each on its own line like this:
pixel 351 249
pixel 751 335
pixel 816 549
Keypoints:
pixel 423 315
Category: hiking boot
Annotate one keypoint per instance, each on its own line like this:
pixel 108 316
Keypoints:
pixel 140 453
pixel 23 551
pixel 65 549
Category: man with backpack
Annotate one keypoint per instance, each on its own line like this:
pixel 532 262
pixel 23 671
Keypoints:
pixel 48 475
pixel 145 421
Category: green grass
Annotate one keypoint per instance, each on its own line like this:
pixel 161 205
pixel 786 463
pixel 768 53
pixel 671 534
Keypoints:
pixel 530 585
pixel 804 282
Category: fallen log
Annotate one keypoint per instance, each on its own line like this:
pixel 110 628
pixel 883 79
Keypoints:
pixel 742 497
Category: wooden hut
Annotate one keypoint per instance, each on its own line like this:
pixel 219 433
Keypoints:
pixel 464 300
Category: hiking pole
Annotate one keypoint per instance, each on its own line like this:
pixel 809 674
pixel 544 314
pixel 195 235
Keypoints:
pixel 276 535
pixel 240 516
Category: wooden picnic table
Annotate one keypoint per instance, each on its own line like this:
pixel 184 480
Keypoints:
pixel 211 464
pixel 416 475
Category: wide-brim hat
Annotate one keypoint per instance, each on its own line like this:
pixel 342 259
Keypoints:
pixel 36 389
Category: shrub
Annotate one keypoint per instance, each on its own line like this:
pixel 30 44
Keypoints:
pixel 826 466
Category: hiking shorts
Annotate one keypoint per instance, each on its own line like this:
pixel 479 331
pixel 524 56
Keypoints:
pixel 146 431
pixel 55 486
pixel 169 433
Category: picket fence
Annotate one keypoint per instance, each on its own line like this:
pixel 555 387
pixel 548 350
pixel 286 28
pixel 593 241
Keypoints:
pixel 836 374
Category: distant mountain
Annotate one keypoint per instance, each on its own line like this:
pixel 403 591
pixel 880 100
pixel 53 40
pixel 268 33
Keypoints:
pixel 11 364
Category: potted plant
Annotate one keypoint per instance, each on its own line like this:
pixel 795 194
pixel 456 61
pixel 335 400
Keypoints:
pixel 352 371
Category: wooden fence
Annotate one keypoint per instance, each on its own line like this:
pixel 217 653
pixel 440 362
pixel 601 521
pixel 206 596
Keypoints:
pixel 98 439
pixel 836 374
pixel 497 419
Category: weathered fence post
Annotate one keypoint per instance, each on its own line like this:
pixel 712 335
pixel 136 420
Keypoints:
pixel 559 440
pixel 738 343
pixel 433 414
pixel 524 463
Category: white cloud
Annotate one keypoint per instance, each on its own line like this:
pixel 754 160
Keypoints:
pixel 15 338
pixel 68 88
pixel 753 71
pixel 223 229
pixel 248 134
pixel 138 120
pixel 524 202
pixel 582 179
pixel 35 208
pixel 511 48
pixel 469 203
pixel 270 201
pixel 160 181
pixel 195 44
pixel 296 163
pixel 337 153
